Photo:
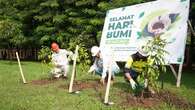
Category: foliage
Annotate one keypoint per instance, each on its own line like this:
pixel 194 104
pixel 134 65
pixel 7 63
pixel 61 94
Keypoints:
pixel 44 21
pixel 155 62
pixel 10 34
pixel 45 56
pixel 84 56
pixel 192 14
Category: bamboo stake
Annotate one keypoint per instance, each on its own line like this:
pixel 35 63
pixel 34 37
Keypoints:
pixel 108 83
pixel 73 70
pixel 21 72
pixel 173 70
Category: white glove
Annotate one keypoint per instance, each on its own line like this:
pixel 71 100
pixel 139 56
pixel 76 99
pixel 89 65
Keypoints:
pixel 133 83
pixel 92 68
pixel 145 83
pixel 70 53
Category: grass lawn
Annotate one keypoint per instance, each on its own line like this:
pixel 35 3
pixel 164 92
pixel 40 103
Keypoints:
pixel 54 96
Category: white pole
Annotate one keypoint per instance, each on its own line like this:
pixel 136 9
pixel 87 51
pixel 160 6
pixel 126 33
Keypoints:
pixel 108 83
pixel 179 75
pixel 23 79
pixel 73 70
pixel 173 70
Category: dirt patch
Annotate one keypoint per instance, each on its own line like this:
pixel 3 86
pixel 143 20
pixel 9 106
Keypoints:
pixel 80 85
pixel 43 81
pixel 173 99
pixel 127 99
pixel 143 102
pixel 155 100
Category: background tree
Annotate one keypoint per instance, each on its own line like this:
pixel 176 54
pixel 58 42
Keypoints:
pixel 71 23
pixel 18 14
pixel 10 34
pixel 39 22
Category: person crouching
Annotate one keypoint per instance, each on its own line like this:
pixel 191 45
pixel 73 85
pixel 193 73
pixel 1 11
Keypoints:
pixel 131 70
pixel 101 64
pixel 60 61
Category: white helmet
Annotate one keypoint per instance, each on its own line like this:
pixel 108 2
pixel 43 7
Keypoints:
pixel 142 52
pixel 141 44
pixel 95 50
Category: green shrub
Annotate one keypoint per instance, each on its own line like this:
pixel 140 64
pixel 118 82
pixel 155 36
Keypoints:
pixel 155 62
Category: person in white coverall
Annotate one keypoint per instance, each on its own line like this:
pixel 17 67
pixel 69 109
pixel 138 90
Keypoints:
pixel 101 64
pixel 60 61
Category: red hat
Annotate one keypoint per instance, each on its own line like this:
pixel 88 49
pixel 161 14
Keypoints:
pixel 54 46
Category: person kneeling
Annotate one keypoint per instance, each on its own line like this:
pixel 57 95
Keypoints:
pixel 60 61
pixel 131 70
pixel 101 64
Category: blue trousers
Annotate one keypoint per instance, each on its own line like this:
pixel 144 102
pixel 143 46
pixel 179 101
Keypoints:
pixel 99 71
pixel 132 73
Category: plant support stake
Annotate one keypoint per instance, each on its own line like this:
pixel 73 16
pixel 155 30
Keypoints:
pixel 21 72
pixel 108 83
pixel 73 70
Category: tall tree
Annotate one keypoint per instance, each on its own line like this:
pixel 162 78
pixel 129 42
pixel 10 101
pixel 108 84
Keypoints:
pixel 19 12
